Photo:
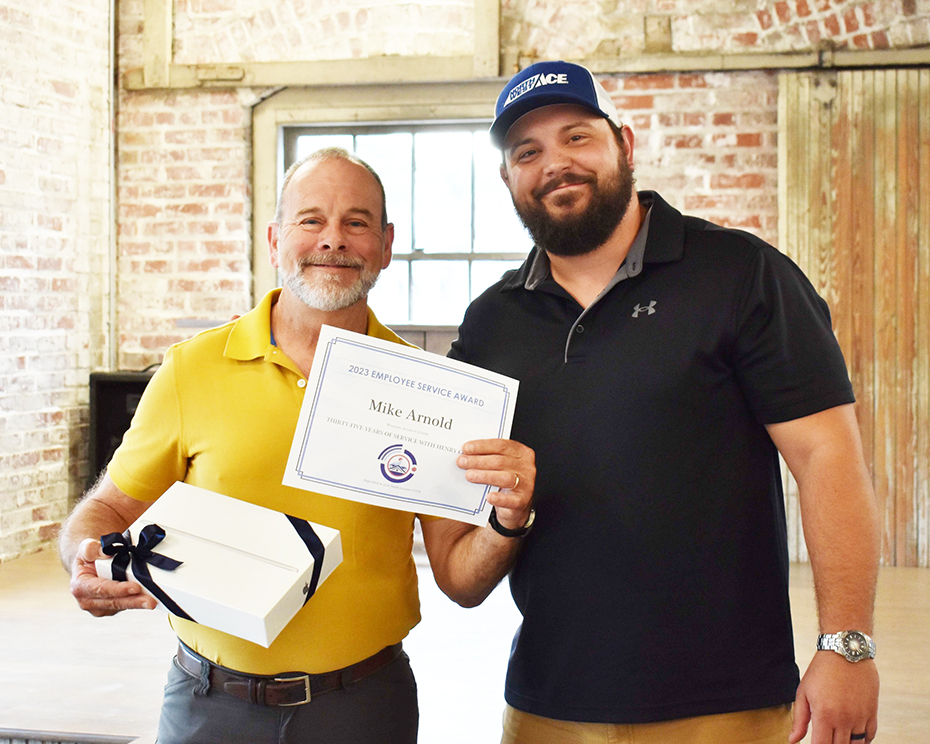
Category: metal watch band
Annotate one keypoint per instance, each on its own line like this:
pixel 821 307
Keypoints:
pixel 501 530
pixel 838 642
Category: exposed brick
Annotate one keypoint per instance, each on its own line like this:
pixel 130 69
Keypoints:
pixel 692 81
pixel 188 208
pixel 750 222
pixel 783 11
pixel 850 20
pixel 649 82
pixel 812 29
pixel 222 247
pixel 738 181
pixel 157 267
pixel 694 119
pixel 629 103
pixel 209 190
pixel 684 141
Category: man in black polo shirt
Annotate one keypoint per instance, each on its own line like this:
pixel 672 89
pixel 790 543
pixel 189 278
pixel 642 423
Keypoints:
pixel 664 362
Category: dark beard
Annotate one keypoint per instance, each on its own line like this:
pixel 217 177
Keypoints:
pixel 587 231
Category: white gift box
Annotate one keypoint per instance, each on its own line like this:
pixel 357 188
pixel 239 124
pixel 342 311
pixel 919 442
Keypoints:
pixel 246 570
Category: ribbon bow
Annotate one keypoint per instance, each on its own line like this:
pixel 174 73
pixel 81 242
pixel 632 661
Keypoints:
pixel 125 554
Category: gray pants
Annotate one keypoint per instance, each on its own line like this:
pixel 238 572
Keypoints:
pixel 379 709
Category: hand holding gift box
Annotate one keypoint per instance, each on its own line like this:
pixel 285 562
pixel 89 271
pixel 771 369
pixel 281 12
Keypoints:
pixel 225 563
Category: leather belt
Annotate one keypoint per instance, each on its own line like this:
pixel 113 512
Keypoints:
pixel 287 688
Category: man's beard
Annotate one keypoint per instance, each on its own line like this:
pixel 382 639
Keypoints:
pixel 581 233
pixel 326 292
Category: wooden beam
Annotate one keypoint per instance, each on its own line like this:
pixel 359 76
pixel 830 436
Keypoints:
pixel 381 70
pixel 157 43
pixel 730 62
pixel 487 38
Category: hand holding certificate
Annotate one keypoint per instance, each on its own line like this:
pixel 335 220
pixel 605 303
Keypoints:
pixel 384 424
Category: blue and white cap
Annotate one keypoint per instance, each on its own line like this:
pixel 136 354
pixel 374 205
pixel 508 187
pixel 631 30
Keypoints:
pixel 545 84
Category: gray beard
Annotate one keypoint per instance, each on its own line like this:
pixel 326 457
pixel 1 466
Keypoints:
pixel 329 295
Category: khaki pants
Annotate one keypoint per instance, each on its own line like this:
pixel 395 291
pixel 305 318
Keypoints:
pixel 766 726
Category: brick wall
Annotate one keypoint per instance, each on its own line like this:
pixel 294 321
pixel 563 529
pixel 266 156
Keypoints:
pixel 54 232
pixel 575 29
pixel 184 207
pixel 223 31
pixel 706 141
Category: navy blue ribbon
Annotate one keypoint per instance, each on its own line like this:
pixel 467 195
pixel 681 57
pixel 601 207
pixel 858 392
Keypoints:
pixel 315 546
pixel 125 554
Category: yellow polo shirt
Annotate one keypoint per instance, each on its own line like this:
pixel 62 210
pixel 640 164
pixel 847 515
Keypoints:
pixel 220 413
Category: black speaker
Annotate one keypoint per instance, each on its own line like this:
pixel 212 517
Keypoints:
pixel 113 400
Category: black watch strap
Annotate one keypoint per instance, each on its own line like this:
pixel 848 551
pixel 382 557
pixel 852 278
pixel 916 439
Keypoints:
pixel 501 530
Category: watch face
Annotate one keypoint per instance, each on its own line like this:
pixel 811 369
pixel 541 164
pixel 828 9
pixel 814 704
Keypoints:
pixel 855 646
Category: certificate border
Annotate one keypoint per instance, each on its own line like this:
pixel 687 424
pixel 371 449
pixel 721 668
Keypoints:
pixel 399 352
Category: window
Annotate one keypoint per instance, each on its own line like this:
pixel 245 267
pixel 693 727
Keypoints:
pixel 456 231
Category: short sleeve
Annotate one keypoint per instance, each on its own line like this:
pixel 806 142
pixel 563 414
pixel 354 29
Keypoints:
pixel 150 458
pixel 787 357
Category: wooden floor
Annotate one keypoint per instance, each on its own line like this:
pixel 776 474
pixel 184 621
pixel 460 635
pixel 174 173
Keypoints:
pixel 62 670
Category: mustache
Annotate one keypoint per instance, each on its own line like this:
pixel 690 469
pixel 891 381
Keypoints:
pixel 325 259
pixel 564 180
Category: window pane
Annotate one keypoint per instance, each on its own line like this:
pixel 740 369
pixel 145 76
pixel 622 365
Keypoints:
pixel 497 227
pixel 442 197
pixel 486 273
pixel 440 292
pixel 390 155
pixel 389 298
pixel 310 143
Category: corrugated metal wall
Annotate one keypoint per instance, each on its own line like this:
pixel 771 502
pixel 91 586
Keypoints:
pixel 854 213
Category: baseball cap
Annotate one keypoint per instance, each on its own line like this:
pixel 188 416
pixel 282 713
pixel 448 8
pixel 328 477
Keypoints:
pixel 545 84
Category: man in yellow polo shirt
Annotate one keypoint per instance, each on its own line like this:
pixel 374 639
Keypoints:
pixel 220 413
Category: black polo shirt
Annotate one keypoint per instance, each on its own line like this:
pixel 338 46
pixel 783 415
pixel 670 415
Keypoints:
pixel 654 584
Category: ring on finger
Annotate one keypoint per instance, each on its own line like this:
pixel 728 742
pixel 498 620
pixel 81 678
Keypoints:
pixel 516 482
pixel 857 737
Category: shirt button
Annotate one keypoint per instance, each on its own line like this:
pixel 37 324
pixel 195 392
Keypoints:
pixel 301 383
pixel 579 329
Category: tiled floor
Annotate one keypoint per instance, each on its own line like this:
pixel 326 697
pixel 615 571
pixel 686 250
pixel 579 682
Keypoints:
pixel 63 670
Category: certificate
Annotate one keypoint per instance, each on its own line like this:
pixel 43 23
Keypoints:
pixel 383 424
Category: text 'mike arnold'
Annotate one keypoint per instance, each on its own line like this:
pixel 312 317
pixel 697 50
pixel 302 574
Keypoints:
pixel 421 418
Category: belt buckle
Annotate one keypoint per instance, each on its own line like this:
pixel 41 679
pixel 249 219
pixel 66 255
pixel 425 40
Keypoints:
pixel 307 696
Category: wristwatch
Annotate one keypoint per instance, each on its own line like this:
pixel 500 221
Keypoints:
pixel 853 644
pixel 501 530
